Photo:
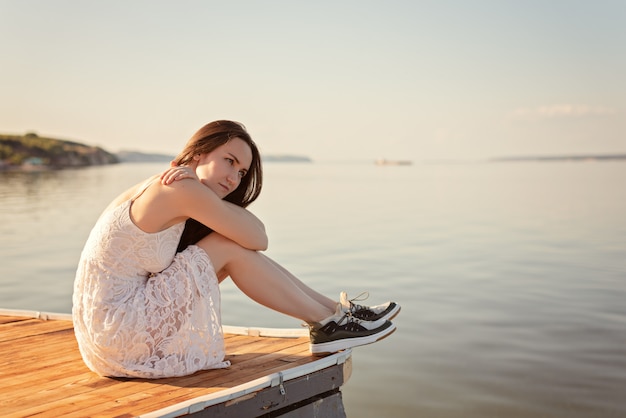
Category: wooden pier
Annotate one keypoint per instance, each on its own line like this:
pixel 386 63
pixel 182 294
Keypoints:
pixel 272 374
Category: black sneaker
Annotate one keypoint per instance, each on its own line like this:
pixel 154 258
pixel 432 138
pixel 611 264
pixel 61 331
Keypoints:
pixel 386 310
pixel 342 331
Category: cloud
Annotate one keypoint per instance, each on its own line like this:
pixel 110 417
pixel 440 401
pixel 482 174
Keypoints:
pixel 560 111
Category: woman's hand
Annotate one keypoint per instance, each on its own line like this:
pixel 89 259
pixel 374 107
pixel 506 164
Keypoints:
pixel 179 172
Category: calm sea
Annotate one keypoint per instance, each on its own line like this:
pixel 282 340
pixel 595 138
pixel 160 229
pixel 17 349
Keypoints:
pixel 512 276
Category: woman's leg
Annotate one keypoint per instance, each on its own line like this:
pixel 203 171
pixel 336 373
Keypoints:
pixel 265 281
pixel 271 285
pixel 329 303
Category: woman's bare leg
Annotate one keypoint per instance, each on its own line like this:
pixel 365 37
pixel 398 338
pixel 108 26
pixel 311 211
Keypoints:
pixel 265 281
pixel 326 301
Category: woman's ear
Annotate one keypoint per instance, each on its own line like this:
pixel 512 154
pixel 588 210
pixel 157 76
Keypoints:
pixel 195 161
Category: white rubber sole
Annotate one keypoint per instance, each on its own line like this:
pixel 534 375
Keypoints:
pixel 392 314
pixel 334 346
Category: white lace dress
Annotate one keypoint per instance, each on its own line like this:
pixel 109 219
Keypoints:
pixel 140 310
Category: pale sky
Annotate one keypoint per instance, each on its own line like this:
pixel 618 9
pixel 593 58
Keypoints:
pixel 334 80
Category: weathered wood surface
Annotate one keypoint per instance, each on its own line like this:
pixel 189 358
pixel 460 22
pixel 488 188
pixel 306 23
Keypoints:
pixel 42 373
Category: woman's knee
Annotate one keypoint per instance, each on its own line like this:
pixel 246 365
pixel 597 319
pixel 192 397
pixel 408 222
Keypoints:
pixel 221 250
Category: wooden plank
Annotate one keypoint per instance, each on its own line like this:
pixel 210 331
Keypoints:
pixel 90 401
pixel 254 369
pixel 41 372
pixel 176 390
pixel 24 329
pixel 32 365
pixel 9 319
pixel 60 344
pixel 166 395
pixel 297 393
pixel 79 395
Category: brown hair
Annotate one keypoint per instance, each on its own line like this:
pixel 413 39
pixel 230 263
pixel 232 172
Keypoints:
pixel 206 140
pixel 216 134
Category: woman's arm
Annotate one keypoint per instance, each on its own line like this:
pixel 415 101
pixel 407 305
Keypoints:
pixel 234 222
pixel 180 195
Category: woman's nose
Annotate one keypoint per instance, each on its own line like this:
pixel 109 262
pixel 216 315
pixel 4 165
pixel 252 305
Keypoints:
pixel 232 177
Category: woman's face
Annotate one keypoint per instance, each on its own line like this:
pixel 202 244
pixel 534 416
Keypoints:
pixel 222 169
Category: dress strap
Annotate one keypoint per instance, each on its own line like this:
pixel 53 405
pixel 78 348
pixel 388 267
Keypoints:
pixel 143 188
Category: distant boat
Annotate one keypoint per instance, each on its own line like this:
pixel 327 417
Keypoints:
pixel 383 161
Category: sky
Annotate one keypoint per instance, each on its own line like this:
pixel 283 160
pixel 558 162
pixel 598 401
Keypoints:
pixel 333 80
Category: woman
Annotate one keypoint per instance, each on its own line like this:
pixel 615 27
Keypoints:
pixel 143 310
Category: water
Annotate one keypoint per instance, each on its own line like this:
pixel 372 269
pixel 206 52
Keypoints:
pixel 511 275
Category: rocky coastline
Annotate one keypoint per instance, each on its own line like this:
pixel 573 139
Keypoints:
pixel 31 152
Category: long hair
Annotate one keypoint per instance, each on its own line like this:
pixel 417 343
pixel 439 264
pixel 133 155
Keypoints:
pixel 206 140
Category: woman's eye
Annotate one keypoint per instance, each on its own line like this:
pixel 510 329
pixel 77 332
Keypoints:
pixel 242 173
pixel 230 161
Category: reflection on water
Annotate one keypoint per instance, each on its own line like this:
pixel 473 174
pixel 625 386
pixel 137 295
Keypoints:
pixel 45 218
pixel 511 276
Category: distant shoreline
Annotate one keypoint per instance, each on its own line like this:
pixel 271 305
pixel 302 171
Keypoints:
pixel 145 157
pixel 32 153
pixel 551 158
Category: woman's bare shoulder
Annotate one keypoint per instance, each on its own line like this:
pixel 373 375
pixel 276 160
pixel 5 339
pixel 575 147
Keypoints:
pixel 131 192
